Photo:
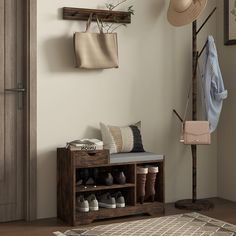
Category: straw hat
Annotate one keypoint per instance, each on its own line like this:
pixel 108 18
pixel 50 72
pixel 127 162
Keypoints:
pixel 183 12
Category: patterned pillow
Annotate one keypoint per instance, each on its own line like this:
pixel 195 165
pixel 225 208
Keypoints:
pixel 122 139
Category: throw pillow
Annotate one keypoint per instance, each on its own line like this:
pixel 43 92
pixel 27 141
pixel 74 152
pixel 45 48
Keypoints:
pixel 122 139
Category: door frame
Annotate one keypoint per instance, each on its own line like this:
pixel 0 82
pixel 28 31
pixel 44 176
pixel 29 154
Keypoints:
pixel 30 165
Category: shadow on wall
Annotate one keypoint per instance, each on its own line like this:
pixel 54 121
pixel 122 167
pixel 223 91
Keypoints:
pixel 47 175
pixel 92 132
pixel 47 184
pixel 60 56
pixel 156 7
pixel 59 52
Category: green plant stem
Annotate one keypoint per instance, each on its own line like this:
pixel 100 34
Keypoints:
pixel 118 4
pixel 109 27
pixel 117 27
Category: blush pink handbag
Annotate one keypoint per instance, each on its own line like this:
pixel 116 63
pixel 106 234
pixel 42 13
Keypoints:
pixel 196 132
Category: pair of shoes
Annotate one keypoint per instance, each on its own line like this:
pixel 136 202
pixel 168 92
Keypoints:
pixel 119 177
pixel 87 177
pixel 107 178
pixel 111 201
pixel 91 204
pixel 146 179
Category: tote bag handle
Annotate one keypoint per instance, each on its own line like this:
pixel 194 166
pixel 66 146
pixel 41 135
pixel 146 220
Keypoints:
pixel 89 24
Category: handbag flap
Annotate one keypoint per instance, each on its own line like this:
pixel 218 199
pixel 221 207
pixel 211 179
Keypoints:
pixel 196 127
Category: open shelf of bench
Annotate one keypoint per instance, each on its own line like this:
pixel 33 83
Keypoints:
pixel 152 208
pixel 80 189
pixel 67 191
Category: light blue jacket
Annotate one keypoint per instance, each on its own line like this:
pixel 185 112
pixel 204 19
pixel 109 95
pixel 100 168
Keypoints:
pixel 213 85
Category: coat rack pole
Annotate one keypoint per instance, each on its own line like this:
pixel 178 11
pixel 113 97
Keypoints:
pixel 194 204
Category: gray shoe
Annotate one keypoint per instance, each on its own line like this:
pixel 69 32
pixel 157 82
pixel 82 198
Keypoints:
pixel 107 201
pixel 120 200
pixel 93 202
pixel 82 204
pixel 119 177
pixel 108 179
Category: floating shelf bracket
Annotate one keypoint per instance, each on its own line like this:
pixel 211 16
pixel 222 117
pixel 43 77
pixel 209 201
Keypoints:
pixel 120 17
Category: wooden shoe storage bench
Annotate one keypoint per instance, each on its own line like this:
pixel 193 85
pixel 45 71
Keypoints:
pixel 69 163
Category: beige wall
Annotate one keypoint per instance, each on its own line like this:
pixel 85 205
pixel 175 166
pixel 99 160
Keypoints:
pixel 227 130
pixel 153 78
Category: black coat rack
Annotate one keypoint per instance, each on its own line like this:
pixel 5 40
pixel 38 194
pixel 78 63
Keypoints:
pixel 194 204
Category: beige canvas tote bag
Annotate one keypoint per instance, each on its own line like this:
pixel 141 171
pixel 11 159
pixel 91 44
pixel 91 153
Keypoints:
pixel 96 50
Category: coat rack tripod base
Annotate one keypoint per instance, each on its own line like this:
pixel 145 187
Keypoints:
pixel 199 205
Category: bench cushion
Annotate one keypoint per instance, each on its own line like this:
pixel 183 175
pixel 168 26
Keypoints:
pixel 134 157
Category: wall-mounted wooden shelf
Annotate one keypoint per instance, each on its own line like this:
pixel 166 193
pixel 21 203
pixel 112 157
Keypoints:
pixel 120 17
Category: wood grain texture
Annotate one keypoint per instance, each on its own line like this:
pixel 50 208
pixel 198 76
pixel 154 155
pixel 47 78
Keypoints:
pixel 17 62
pixel 20 110
pixel 2 98
pixel 65 187
pixel 8 195
pixel 30 55
pixel 104 15
pixel 89 159
pixel 81 189
pixel 149 208
pixel 67 191
pixel 160 183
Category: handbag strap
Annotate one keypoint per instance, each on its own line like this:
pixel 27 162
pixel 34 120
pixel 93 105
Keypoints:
pixel 187 104
pixel 189 90
pixel 89 24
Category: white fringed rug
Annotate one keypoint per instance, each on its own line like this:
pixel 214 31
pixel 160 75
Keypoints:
pixel 189 224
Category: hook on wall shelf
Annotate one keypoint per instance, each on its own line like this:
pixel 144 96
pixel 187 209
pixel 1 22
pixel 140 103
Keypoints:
pixel 120 17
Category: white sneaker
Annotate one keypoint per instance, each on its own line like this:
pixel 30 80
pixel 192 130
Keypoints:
pixel 82 204
pixel 93 203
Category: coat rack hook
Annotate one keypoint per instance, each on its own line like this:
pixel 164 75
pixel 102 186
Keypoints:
pixel 206 19
pixel 203 49
pixel 177 114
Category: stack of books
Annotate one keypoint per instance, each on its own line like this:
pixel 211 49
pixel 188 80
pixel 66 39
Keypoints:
pixel 85 145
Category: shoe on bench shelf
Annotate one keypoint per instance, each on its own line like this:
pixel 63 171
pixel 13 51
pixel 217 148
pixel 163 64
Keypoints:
pixel 106 201
pixel 93 203
pixel 82 204
pixel 120 200
pixel 119 177
pixel 106 178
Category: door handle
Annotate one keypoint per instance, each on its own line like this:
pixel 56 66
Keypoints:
pixel 19 91
pixel 16 90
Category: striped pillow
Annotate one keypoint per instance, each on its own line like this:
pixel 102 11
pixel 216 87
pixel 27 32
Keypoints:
pixel 122 139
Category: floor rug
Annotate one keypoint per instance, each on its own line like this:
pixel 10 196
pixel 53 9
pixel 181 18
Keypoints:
pixel 184 224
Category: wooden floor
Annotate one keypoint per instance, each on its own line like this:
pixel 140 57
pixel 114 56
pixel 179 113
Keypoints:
pixel 224 210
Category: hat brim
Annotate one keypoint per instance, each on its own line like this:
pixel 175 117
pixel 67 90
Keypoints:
pixel 183 18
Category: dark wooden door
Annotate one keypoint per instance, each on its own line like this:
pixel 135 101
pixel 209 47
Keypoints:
pixel 11 110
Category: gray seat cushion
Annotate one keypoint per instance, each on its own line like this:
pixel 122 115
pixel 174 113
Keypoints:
pixel 134 157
